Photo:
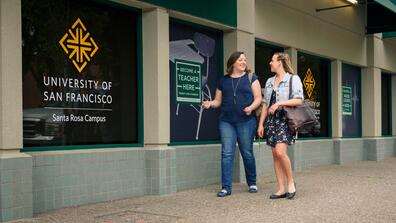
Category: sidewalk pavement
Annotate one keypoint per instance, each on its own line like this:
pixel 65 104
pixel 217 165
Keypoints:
pixel 363 191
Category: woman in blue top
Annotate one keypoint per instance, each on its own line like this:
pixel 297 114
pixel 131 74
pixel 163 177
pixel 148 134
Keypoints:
pixel 276 95
pixel 238 94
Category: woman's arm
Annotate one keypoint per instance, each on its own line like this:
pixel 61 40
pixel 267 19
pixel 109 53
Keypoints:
pixel 215 103
pixel 256 89
pixel 290 103
pixel 297 96
pixel 263 116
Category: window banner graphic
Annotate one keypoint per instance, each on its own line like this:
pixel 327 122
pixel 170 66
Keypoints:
pixel 195 67
pixel 351 101
pixel 79 73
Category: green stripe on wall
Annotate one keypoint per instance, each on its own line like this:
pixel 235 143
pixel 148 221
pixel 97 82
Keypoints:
pixel 390 4
pixel 388 35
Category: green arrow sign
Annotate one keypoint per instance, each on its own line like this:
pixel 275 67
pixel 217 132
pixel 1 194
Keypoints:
pixel 188 82
pixel 346 100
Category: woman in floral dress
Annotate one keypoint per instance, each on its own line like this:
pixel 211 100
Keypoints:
pixel 276 95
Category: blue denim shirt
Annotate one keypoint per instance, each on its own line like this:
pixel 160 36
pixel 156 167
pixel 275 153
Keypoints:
pixel 282 92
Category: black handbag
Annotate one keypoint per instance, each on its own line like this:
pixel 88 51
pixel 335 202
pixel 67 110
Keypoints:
pixel 299 117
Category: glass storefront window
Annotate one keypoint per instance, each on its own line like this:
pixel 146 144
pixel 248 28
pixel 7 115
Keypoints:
pixel 386 104
pixel 79 73
pixel 195 62
pixel 263 56
pixel 315 75
pixel 351 101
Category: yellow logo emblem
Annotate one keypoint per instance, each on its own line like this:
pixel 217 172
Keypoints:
pixel 309 82
pixel 78 45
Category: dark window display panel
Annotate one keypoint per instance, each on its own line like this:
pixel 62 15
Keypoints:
pixel 195 62
pixel 263 56
pixel 386 104
pixel 351 101
pixel 79 73
pixel 315 76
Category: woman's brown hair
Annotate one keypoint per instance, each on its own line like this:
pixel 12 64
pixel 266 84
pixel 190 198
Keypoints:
pixel 285 60
pixel 231 60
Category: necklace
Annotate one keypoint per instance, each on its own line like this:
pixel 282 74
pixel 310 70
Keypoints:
pixel 234 89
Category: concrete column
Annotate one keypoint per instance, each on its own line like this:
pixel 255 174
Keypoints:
pixel 371 102
pixel 375 149
pixel 293 54
pixel 160 170
pixel 160 159
pixel 393 86
pixel 375 56
pixel 239 41
pixel 156 77
pixel 242 39
pixel 336 98
pixel 15 167
pixel 294 151
pixel 295 155
pixel 11 76
pixel 371 93
pixel 394 106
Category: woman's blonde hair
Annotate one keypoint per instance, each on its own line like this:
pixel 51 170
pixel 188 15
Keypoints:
pixel 285 60
pixel 231 60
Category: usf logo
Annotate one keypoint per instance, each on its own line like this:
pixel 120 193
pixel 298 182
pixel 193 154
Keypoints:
pixel 309 82
pixel 78 45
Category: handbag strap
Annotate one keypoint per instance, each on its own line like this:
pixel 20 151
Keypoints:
pixel 250 76
pixel 290 86
pixel 290 95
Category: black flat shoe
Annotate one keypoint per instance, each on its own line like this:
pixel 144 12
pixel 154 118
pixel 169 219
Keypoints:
pixel 275 196
pixel 290 196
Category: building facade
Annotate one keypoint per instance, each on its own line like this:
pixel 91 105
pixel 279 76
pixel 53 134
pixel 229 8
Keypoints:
pixel 100 100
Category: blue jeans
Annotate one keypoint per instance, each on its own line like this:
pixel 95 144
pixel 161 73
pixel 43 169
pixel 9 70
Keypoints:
pixel 244 133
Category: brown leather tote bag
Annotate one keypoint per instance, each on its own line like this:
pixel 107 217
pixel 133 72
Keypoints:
pixel 299 117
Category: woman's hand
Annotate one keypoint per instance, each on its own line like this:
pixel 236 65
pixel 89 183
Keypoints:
pixel 248 110
pixel 215 103
pixel 273 108
pixel 206 104
pixel 260 131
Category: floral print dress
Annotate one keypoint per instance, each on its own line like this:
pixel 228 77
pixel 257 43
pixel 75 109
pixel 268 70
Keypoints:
pixel 276 127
